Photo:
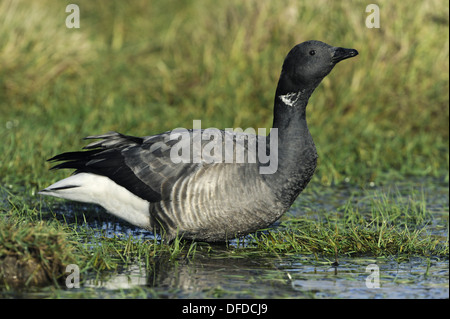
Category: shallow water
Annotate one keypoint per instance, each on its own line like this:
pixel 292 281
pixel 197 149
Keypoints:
pixel 215 273
pixel 292 277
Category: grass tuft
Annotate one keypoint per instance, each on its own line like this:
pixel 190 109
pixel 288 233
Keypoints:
pixel 33 254
pixel 306 237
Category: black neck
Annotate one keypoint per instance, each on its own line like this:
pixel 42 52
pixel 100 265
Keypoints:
pixel 297 156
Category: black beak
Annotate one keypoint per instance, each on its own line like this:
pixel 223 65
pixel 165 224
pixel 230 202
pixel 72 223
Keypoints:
pixel 342 54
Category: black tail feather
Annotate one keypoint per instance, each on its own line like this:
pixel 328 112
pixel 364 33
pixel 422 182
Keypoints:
pixel 105 158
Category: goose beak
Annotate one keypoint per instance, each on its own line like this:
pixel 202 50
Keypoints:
pixel 342 54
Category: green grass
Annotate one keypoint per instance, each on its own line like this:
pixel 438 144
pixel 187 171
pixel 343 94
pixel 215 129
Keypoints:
pixel 143 68
pixel 359 237
pixel 32 252
pixel 377 224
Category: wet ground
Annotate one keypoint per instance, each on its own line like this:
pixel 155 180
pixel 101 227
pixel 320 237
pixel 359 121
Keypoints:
pixel 214 273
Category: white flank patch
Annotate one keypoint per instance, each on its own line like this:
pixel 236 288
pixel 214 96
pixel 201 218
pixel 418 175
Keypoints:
pixel 290 98
pixel 92 188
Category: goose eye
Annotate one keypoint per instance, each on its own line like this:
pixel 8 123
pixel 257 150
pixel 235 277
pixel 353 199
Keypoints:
pixel 312 52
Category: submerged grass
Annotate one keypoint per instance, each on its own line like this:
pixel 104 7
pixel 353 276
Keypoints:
pixel 307 237
pixel 380 224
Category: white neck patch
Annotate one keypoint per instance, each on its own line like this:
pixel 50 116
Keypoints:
pixel 291 98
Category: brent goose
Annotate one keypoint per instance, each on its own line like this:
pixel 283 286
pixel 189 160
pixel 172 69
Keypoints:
pixel 139 180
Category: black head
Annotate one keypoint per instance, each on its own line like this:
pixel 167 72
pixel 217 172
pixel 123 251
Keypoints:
pixel 308 63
